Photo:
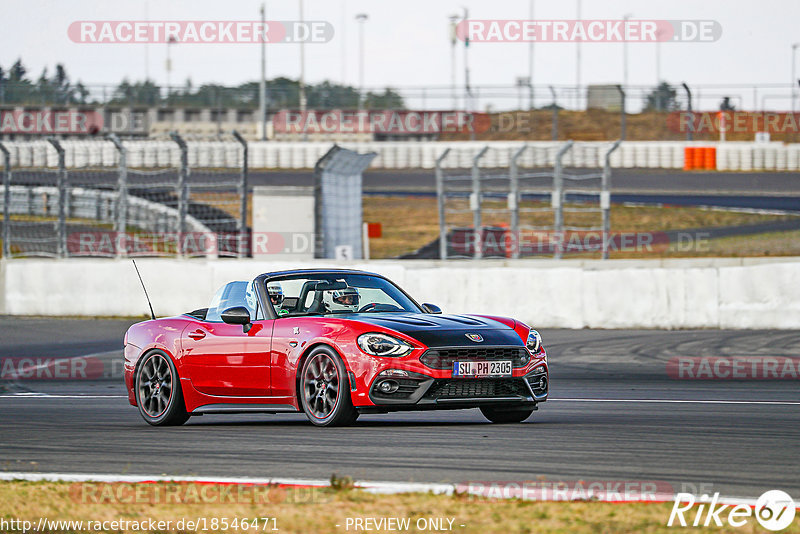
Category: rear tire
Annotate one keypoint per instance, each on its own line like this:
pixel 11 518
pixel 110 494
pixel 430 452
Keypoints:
pixel 158 391
pixel 325 389
pixel 506 415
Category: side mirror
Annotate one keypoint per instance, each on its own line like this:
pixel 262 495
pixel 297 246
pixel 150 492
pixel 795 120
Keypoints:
pixel 431 308
pixel 237 315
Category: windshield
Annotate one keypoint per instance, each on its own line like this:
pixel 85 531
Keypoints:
pixel 336 293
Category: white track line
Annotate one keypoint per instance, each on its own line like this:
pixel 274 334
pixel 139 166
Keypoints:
pixel 377 487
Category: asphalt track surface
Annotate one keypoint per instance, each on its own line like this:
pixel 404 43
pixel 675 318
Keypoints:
pixel 737 437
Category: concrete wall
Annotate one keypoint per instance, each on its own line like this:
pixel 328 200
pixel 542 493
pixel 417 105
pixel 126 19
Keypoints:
pixel 702 293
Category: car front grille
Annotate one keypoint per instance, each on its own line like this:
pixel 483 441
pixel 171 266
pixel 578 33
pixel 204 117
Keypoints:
pixel 484 388
pixel 443 358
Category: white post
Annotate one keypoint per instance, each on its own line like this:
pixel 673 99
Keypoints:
pixel 794 76
pixel 531 105
pixel 302 67
pixel 365 239
pixel 578 64
pixel 361 18
pixel 262 86
pixel 626 18
pixel 453 42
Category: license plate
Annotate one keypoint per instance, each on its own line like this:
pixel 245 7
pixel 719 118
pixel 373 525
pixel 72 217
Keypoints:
pixel 479 369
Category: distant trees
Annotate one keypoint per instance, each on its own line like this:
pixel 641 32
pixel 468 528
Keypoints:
pixel 16 88
pixel 664 97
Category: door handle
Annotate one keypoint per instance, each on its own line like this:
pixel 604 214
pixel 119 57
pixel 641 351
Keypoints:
pixel 293 344
pixel 197 335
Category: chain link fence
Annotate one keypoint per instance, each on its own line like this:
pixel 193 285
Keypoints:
pixel 101 203
pixel 532 207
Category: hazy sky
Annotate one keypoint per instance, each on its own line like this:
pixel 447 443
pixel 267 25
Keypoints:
pixel 407 43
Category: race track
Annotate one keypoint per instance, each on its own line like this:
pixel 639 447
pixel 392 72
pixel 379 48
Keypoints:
pixel 737 437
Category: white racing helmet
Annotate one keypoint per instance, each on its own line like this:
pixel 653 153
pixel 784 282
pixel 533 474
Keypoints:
pixel 342 300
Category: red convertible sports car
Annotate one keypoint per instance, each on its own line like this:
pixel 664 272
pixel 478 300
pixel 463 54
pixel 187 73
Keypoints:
pixel 333 344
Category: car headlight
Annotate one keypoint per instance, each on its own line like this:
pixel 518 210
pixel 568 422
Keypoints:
pixel 383 345
pixel 534 342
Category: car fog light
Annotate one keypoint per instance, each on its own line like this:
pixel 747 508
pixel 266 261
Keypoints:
pixel 388 386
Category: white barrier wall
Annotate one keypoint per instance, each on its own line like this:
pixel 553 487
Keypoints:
pixel 702 293
pixel 731 156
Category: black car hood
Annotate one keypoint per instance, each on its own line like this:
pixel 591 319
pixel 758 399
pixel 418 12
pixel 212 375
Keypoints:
pixel 435 330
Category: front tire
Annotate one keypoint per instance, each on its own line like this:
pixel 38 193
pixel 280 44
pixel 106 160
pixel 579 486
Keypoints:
pixel 158 391
pixel 325 389
pixel 506 415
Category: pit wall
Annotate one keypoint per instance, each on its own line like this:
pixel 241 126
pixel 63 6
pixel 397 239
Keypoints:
pixel 702 293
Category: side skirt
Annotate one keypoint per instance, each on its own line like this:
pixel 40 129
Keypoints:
pixel 244 408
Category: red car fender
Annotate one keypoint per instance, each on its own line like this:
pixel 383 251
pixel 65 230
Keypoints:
pixel 519 327
pixel 522 330
pixel 161 334
pixel 365 367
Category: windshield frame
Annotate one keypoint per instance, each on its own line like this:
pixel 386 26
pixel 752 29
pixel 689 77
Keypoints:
pixel 264 279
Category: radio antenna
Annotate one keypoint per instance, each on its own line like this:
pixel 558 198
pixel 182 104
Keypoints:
pixel 152 314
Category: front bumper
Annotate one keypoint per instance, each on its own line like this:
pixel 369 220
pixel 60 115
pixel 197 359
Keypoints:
pixel 420 391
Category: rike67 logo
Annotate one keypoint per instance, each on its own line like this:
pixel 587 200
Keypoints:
pixel 774 511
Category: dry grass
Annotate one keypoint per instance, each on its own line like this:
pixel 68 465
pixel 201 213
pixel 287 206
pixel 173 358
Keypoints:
pixel 306 510
pixel 411 222
pixel 775 244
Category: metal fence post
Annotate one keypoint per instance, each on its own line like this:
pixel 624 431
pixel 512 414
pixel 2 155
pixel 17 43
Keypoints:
pixel 183 192
pixel 623 115
pixel 121 207
pixel 475 204
pixel 558 200
pixel 440 201
pixel 6 201
pixel 689 135
pixel 513 199
pixel 242 247
pixel 605 198
pixel 554 126
pixel 62 198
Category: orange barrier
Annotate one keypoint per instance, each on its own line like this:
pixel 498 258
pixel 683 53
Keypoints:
pixel 689 158
pixel 710 158
pixel 699 157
